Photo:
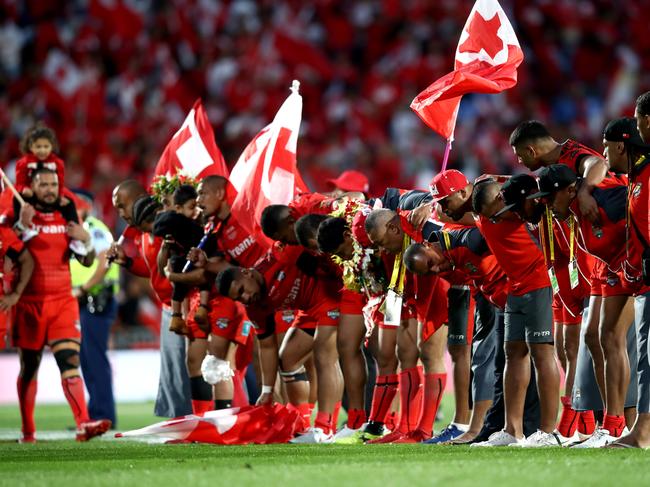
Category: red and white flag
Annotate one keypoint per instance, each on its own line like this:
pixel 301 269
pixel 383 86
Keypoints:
pixel 234 426
pixel 267 172
pixel 193 150
pixel 487 58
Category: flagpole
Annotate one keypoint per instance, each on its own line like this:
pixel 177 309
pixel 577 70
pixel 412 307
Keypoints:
pixel 445 158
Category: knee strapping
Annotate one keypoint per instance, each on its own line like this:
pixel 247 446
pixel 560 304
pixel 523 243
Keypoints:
pixel 294 376
pixel 67 359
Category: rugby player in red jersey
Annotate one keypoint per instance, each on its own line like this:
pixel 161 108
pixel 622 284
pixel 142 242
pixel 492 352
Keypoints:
pixel 464 252
pixel 420 335
pixel 535 148
pixel 529 320
pixel 560 186
pixel 47 312
pixel 277 283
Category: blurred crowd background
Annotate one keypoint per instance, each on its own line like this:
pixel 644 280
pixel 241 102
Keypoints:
pixel 115 79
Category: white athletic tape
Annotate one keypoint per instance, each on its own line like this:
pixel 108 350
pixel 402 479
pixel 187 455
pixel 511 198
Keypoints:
pixel 215 370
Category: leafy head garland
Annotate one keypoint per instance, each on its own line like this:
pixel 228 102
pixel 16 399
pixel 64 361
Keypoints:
pixel 363 272
pixel 164 186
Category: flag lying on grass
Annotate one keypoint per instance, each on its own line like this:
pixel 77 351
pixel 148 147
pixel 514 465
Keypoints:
pixel 234 426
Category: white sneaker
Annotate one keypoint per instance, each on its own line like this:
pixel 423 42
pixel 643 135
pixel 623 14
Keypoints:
pixel 500 438
pixel 313 436
pixel 599 439
pixel 568 441
pixel 346 432
pixel 540 439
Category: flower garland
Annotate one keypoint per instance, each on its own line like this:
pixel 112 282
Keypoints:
pixel 164 186
pixel 363 272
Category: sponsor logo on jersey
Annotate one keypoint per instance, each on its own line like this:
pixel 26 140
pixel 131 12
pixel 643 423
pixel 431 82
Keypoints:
pixel 471 267
pixel 612 280
pixel 50 229
pixel 222 323
pixel 242 247
pixel 636 191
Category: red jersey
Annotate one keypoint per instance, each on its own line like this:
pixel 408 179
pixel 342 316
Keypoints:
pixel 307 203
pixel 150 247
pixel 638 231
pixel 471 258
pixel 240 247
pixel 605 241
pixel 10 246
pixel 572 154
pixel 49 248
pixel 517 251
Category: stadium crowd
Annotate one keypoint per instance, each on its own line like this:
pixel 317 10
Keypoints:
pixel 114 80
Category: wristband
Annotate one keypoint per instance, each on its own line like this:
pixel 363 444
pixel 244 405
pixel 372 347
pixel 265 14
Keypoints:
pixel 267 389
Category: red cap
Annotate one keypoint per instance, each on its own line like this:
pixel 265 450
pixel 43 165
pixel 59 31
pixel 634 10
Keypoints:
pixel 447 182
pixel 351 181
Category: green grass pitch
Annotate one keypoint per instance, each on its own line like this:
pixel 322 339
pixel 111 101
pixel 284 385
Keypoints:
pixel 112 462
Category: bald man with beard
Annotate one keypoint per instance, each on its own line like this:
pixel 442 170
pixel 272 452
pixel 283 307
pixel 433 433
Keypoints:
pixel 173 397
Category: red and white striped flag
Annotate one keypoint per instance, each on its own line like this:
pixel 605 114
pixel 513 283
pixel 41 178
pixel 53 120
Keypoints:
pixel 267 172
pixel 192 150
pixel 234 426
pixel 487 58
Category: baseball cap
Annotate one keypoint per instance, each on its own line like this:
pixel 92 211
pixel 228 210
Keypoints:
pixel 515 190
pixel 623 130
pixel 554 178
pixel 350 181
pixel 447 182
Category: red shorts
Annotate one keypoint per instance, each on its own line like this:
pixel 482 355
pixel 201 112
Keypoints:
pixel 567 313
pixel 290 318
pixel 195 332
pixel 37 323
pixel 606 283
pixel 352 303
pixel 227 319
pixel 324 303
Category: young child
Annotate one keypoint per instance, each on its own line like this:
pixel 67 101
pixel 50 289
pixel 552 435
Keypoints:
pixel 38 146
pixel 181 232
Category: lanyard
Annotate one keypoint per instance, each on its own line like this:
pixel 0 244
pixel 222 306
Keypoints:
pixel 398 276
pixel 571 237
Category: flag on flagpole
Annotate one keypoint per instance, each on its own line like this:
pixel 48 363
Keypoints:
pixel 233 426
pixel 192 150
pixel 266 172
pixel 487 58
